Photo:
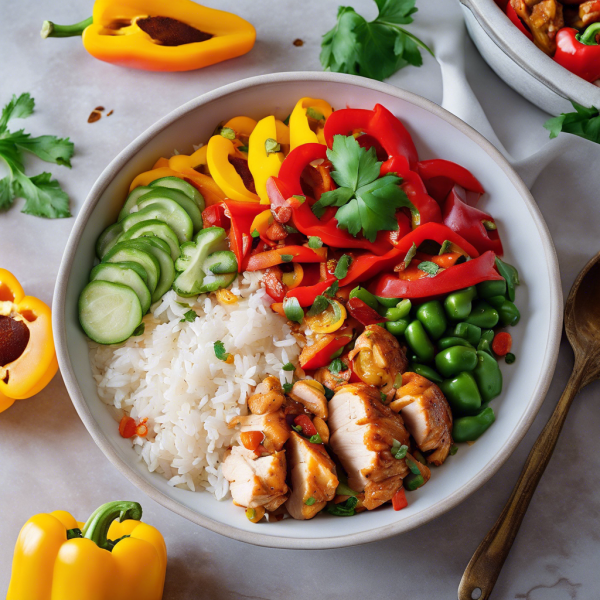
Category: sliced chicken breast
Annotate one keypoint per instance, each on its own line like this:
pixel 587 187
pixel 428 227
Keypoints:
pixel 272 425
pixel 313 477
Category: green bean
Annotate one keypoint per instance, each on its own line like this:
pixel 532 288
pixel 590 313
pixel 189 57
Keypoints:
pixel 455 359
pixel 488 376
pixel 366 296
pixel 419 342
pixel 511 275
pixel 462 393
pixel 388 302
pixel 467 331
pixel 412 482
pixel 447 342
pixel 468 429
pixel 425 371
pixel 483 315
pixel 488 289
pixel 508 312
pixel 458 304
pixel 399 312
pixel 398 327
pixel 431 314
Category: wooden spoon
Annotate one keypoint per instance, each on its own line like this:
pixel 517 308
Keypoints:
pixel 582 324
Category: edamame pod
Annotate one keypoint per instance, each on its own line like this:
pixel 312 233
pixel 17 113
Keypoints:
pixel 469 332
pixel 483 315
pixel 488 376
pixel 388 302
pixel 507 310
pixel 447 342
pixel 489 289
pixel 425 371
pixel 485 343
pixel 431 314
pixel 468 429
pixel 419 342
pixel 462 393
pixel 458 304
pixel 398 327
pixel 453 360
pixel 401 311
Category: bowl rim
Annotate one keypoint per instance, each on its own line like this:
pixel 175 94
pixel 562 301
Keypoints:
pixel 528 56
pixel 338 541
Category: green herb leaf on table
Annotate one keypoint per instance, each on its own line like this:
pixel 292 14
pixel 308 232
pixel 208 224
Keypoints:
pixel 584 122
pixel 314 242
pixel 428 267
pixel 341 269
pixel 375 49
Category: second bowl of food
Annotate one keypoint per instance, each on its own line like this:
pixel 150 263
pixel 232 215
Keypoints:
pixel 275 311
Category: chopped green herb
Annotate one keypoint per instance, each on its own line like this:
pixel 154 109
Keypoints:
pixel 428 267
pixel 288 367
pixel 329 393
pixel 511 275
pixel 584 122
pixel 413 481
pixel 510 358
pixel 255 233
pixel 297 428
pixel 332 290
pixel 292 309
pixel 220 353
pixel 412 251
pixel 190 316
pixel 227 133
pixel 344 490
pixel 310 501
pixel 489 225
pixel 398 381
pixel 383 397
pixel 315 439
pixel 413 466
pixel 243 149
pixel 398 450
pixel 287 257
pixel 320 305
pixel 139 330
pixel 375 49
pixel 313 113
pixel 341 269
pixel 365 201
pixel 290 229
pixel 300 199
pixel 453 449
pixel 271 146
pixel 446 246
pixel 336 366
pixel 343 509
pixel 286 121
pixel 314 242
pixel 183 304
pixel 287 388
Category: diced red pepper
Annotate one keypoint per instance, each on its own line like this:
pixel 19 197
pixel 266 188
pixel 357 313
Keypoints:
pixel 502 343
pixel 399 500
pixel 214 216
pixel 404 228
pixel 127 427
pixel 295 162
pixel 306 294
pixel 363 313
pixel 240 241
pixel 273 283
pixel 440 175
pixel 251 440
pixel 308 428
pixel 379 123
pixel 455 278
pixel 320 354
pixel 468 222
pixel 299 254
pixel 511 13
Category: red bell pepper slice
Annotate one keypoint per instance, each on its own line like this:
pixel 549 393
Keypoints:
pixel 299 254
pixel 214 216
pixel 440 175
pixel 413 186
pixel 379 123
pixel 399 500
pixel 363 313
pixel 404 228
pixel 467 221
pixel 273 284
pixel 308 429
pixel 306 294
pixel 320 354
pixel 511 13
pixel 295 162
pixel 455 278
pixel 240 241
pixel 580 56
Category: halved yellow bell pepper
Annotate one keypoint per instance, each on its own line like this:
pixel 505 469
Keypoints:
pixel 224 173
pixel 243 126
pixel 27 355
pixel 300 126
pixel 154 35
pixel 264 164
pixel 57 558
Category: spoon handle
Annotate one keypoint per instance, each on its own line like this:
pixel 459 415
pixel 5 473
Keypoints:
pixel 485 565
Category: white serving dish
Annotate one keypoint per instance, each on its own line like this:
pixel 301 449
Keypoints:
pixel 437 133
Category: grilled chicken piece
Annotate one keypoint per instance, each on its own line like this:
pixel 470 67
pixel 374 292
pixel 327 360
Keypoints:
pixel 272 425
pixel 544 18
pixel 426 414
pixel 325 377
pixel 378 493
pixel 312 475
pixel 311 397
pixel 378 359
pixel 589 12
pixel 267 398
pixel 362 432
pixel 255 481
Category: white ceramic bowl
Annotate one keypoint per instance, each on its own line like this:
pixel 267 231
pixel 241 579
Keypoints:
pixel 521 64
pixel 437 133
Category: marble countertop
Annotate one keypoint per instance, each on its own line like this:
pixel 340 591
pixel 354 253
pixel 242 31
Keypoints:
pixel 49 461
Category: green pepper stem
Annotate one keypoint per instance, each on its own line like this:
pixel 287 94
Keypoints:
pixel 588 37
pixel 50 29
pixel 96 527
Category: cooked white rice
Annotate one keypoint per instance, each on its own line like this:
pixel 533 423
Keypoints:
pixel 171 376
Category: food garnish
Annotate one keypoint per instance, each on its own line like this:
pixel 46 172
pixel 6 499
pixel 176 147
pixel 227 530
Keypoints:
pixel 583 122
pixel 221 354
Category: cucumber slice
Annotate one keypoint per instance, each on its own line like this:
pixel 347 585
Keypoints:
pixel 126 252
pixel 212 283
pixel 193 255
pixel 223 261
pixel 182 186
pixel 189 205
pixel 132 199
pixel 168 212
pixel 137 268
pixel 108 238
pixel 109 312
pixel 160 250
pixel 157 228
pixel 120 273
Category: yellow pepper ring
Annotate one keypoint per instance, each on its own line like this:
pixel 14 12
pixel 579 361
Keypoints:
pixel 243 126
pixel 327 322
pixel 293 279
pixel 300 131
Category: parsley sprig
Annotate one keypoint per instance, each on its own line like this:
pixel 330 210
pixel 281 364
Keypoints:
pixel 375 49
pixel 43 195
pixel 365 201
pixel 584 122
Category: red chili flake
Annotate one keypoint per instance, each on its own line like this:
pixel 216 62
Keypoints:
pixel 127 427
pixel 95 115
pixel 110 112
pixel 298 42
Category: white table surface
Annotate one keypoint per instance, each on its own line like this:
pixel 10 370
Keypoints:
pixel 48 460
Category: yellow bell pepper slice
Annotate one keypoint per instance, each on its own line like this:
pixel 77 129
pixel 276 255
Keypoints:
pixel 57 558
pixel 283 133
pixel 149 176
pixel 179 162
pixel 224 173
pixel 262 221
pixel 263 164
pixel 331 319
pixel 243 126
pixel 300 130
pixel 160 163
pixel 293 279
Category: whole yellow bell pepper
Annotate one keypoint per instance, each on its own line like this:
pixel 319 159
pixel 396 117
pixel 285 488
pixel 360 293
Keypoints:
pixel 57 558
pixel 154 35
pixel 27 355
pixel 301 122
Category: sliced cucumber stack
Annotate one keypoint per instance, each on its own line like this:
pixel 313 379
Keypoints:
pixel 108 238
pixel 180 185
pixel 154 227
pixel 132 199
pixel 125 275
pixel 168 212
pixel 126 252
pixel 109 312
pixel 160 195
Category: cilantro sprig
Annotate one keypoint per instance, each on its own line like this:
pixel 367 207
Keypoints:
pixel 375 49
pixel 584 122
pixel 43 195
pixel 365 201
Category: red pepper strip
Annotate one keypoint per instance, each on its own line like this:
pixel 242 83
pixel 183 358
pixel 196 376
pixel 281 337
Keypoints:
pixel 214 216
pixel 363 313
pixel 320 354
pixel 440 175
pixel 455 278
pixel 379 123
pixel 582 56
pixel 467 221
pixel 308 429
pixel 368 141
pixel 299 254
pixel 295 162
pixel 306 294
pixel 511 13
pixel 273 284
pixel 241 214
pixel 368 265
pixel 399 500
pixel 413 186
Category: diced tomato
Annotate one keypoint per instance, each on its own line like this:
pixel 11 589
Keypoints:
pixel 399 500
pixel 502 343
pixel 308 429
pixel 127 427
pixel 251 440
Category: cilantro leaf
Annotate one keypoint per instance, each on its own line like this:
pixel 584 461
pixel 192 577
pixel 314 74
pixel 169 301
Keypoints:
pixel 375 49
pixel 17 108
pixel 6 193
pixel 341 269
pixel 189 317
pixel 288 367
pixel 43 196
pixel 287 388
pixel 428 267
pixel 220 353
pixel 336 366
pixel 331 291
pixel 584 122
pixel 47 147
pixel 319 305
